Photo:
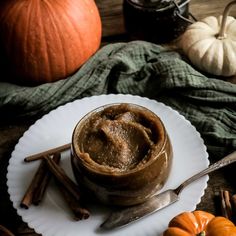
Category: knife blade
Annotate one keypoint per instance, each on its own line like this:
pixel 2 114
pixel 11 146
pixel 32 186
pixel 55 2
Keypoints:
pixel 130 214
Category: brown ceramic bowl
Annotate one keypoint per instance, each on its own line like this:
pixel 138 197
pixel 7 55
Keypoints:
pixel 121 154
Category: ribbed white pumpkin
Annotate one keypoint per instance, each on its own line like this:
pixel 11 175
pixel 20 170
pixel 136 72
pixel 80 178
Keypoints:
pixel 210 44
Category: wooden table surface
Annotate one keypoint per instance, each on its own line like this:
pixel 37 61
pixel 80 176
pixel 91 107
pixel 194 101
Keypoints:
pixel 113 30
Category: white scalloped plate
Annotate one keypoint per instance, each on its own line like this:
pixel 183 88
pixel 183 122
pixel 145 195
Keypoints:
pixel 53 218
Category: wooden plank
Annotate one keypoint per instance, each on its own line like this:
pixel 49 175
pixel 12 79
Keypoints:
pixel 202 8
pixel 111 12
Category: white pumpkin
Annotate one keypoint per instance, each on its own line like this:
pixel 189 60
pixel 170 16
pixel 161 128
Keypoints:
pixel 210 44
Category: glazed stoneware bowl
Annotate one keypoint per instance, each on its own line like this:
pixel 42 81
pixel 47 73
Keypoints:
pixel 121 154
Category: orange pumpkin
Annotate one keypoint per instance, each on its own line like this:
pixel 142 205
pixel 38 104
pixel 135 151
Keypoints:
pixel 200 223
pixel 46 41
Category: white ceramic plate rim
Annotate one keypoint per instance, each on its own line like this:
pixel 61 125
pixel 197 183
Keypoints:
pixel 52 218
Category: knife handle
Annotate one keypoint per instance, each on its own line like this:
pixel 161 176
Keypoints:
pixel 217 165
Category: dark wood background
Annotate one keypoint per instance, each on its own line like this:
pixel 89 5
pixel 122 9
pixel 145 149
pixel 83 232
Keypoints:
pixel 113 30
pixel 112 16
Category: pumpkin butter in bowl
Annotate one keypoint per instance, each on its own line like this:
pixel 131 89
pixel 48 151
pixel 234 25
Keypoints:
pixel 121 154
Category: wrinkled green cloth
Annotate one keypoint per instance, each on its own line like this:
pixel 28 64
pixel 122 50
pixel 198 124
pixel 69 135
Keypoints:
pixel 144 69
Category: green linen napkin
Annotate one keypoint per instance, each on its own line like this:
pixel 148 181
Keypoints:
pixel 144 69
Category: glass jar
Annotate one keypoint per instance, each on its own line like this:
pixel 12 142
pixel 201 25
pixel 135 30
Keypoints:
pixel 158 21
pixel 121 154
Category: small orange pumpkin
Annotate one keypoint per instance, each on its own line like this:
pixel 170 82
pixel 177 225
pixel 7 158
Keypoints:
pixel 46 41
pixel 200 223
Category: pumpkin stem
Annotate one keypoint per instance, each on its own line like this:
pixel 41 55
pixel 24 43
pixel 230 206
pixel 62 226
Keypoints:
pixel 222 34
pixel 201 234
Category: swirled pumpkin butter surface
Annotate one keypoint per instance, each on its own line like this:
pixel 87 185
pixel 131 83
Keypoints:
pixel 119 138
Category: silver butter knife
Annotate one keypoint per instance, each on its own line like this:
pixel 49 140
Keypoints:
pixel 127 215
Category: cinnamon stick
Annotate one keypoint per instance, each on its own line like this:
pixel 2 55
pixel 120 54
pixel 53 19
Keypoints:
pixel 226 207
pixel 64 180
pixel 78 211
pixel 5 232
pixel 37 179
pixel 69 190
pixel 40 190
pixel 233 201
pixel 49 152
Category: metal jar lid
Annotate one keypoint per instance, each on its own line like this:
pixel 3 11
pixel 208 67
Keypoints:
pixel 161 6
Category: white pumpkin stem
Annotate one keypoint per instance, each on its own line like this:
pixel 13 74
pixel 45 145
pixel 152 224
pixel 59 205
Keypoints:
pixel 222 34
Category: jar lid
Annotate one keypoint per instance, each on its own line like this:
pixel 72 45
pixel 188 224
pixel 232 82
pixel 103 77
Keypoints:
pixel 157 4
